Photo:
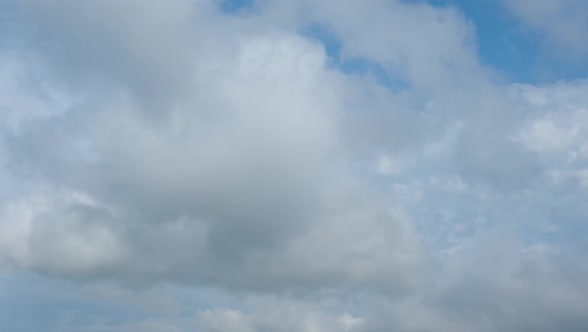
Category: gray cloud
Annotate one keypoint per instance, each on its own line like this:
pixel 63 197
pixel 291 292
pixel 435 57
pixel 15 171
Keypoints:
pixel 243 183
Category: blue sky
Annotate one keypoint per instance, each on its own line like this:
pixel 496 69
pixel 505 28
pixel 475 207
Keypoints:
pixel 312 165
pixel 504 43
pixel 507 44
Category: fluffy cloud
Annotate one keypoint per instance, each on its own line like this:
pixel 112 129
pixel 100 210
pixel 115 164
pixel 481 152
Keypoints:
pixel 239 178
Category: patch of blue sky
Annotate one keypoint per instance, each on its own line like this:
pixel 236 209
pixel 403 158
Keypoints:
pixel 507 45
pixel 351 65
pixel 234 6
pixel 55 306
pixel 63 306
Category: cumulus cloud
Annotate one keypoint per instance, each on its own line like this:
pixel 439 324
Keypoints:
pixel 240 178
pixel 173 166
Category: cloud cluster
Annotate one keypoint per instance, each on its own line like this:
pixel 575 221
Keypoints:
pixel 325 165
pixel 232 173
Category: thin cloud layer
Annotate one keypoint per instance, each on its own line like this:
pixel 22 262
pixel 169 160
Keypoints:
pixel 283 166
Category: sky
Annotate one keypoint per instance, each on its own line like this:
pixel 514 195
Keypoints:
pixel 293 166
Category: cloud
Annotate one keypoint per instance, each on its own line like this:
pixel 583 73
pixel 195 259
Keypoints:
pixel 172 167
pixel 244 167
